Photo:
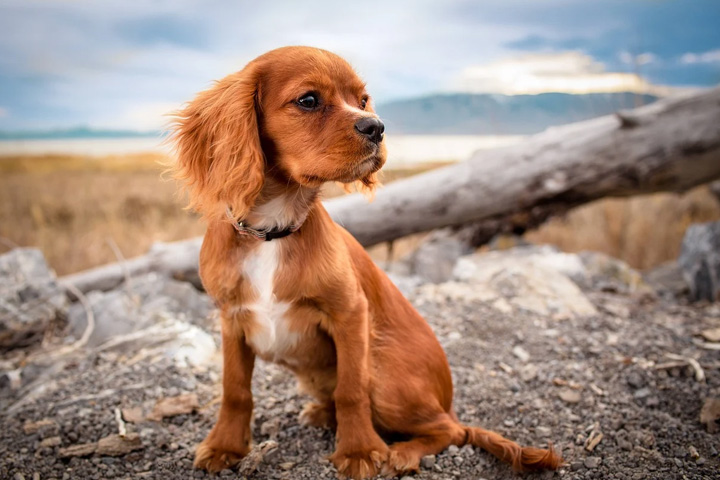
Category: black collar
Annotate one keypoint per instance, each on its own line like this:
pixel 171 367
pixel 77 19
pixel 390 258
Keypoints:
pixel 264 234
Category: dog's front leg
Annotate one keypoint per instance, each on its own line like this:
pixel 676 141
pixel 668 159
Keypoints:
pixel 360 452
pixel 229 440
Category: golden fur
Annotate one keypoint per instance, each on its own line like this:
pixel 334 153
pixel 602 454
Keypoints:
pixel 344 329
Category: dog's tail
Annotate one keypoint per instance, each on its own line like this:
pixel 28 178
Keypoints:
pixel 521 458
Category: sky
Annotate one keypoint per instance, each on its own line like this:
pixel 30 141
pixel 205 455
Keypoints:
pixel 124 64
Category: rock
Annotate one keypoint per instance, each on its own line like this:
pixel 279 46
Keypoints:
pixel 171 406
pixel 533 279
pixel 30 298
pixel 521 353
pixel 667 278
pixel 154 318
pixel 453 450
pixel 139 305
pixel 435 259
pixel 133 415
pixel 569 395
pixel 710 414
pixel 700 260
pixel 80 450
pixel 428 461
pixel 604 271
pixel 43 427
pixel 265 451
pixel 592 462
pixel 115 445
pixel 51 442
pixel 711 334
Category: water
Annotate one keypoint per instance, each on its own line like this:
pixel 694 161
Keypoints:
pixel 404 151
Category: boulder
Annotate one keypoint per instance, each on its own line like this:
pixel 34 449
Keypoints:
pixel 435 259
pixel 152 316
pixel 534 279
pixel 700 260
pixel 138 305
pixel 30 298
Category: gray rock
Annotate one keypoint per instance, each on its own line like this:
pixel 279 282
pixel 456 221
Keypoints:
pixel 435 259
pixel 667 278
pixel 428 461
pixel 30 297
pixel 592 462
pixel 138 306
pixel 700 260
pixel 154 315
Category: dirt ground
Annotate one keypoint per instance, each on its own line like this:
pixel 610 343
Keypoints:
pixel 600 383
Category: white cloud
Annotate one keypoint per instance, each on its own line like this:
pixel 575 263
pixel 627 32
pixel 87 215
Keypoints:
pixel 569 72
pixel 640 59
pixel 712 56
pixel 4 112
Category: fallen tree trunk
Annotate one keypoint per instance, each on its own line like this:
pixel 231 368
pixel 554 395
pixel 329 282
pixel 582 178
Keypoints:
pixel 671 145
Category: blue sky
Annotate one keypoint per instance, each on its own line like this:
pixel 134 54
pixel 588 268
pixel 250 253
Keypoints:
pixel 109 64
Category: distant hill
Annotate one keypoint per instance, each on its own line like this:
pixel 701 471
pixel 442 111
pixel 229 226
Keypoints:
pixel 486 114
pixel 79 132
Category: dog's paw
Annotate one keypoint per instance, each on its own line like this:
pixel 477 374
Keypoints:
pixel 215 459
pixel 359 464
pixel 318 415
pixel 400 461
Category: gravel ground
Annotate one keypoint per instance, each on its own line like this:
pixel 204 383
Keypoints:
pixel 534 379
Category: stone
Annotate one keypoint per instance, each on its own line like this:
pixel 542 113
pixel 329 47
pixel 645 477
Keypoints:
pixel 153 316
pixel 435 259
pixel 116 445
pixel 428 461
pixel 569 395
pixel 139 305
pixel 172 406
pixel 667 278
pixel 700 260
pixel 80 450
pixel 30 298
pixel 592 462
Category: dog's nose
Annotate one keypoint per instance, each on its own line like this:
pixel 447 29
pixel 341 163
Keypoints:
pixel 371 127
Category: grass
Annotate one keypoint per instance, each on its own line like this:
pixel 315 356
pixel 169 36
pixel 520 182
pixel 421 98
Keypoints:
pixel 74 207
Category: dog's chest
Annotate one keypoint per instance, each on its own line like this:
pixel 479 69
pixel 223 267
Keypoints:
pixel 269 335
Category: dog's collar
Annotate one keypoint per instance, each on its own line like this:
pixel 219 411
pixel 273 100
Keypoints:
pixel 264 234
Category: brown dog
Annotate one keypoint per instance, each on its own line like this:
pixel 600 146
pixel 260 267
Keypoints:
pixel 254 151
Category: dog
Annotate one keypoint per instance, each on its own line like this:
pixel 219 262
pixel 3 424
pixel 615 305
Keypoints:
pixel 295 288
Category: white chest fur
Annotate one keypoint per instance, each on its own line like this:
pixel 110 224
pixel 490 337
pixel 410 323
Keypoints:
pixel 270 335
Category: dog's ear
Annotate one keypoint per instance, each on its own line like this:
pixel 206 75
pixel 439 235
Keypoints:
pixel 216 138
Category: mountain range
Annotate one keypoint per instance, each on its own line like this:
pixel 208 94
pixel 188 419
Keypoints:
pixel 488 114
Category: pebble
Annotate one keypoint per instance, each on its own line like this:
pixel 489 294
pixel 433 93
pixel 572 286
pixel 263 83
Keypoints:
pixel 453 450
pixel 428 461
pixel 570 396
pixel 592 462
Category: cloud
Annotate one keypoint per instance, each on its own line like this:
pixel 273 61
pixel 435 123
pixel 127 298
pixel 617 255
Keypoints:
pixel 570 72
pixel 4 112
pixel 713 56
pixel 642 59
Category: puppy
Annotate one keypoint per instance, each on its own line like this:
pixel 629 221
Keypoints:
pixel 297 289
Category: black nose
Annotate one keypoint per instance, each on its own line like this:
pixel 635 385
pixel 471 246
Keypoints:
pixel 371 127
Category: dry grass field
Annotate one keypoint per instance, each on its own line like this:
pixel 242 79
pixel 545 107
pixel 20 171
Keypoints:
pixel 77 208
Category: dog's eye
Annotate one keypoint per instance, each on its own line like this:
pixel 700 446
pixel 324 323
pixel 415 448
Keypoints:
pixel 363 103
pixel 309 101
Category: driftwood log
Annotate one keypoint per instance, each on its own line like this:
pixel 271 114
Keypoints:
pixel 670 145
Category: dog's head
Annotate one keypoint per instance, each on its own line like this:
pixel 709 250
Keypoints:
pixel 299 114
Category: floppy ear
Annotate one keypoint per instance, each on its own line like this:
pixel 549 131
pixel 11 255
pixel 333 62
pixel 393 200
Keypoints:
pixel 219 156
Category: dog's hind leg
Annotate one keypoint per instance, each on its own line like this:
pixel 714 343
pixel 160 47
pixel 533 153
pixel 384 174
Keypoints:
pixel 427 439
